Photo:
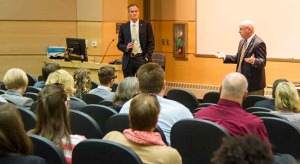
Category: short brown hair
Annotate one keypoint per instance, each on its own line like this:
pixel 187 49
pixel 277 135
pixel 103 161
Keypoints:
pixel 151 78
pixel 143 112
pixel 106 74
pixel 49 68
pixel 13 138
pixel 131 5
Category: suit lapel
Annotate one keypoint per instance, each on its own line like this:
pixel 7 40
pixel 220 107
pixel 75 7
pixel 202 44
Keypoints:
pixel 250 46
pixel 127 31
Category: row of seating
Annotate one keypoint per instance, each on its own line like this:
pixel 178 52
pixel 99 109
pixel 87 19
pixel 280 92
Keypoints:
pixel 189 100
pixel 195 140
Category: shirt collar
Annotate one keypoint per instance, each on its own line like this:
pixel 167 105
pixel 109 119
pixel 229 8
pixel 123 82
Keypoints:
pixel 136 23
pixel 249 39
pixel 104 87
pixel 224 102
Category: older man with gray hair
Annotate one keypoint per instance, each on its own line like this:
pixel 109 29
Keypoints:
pixel 228 112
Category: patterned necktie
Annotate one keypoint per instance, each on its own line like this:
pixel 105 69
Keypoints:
pixel 242 55
pixel 134 39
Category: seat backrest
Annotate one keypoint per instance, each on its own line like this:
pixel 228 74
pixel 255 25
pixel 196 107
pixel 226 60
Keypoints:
pixel 100 151
pixel 94 85
pixel 283 135
pixel 257 109
pixel 31 79
pixel 85 125
pixel 120 122
pixel 107 103
pixel 196 140
pixel 2 91
pixel 250 100
pixel 114 87
pixel 91 98
pixel 28 118
pixel 159 58
pixel 211 97
pixel 32 89
pixel 33 96
pixel 269 114
pixel 46 149
pixel 184 97
pixel 99 113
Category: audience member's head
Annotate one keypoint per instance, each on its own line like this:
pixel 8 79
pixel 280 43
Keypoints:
pixel 52 114
pixel 13 138
pixel 107 75
pixel 287 98
pixel 143 112
pixel 63 77
pixel 243 150
pixel 82 79
pixel 151 79
pixel 234 87
pixel 16 78
pixel 49 68
pixel 125 90
pixel 275 84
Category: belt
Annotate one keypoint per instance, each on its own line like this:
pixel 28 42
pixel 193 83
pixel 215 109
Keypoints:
pixel 135 55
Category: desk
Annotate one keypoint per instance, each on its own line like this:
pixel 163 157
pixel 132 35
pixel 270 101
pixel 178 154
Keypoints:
pixel 93 67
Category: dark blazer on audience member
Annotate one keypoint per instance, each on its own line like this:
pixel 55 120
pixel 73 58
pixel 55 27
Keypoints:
pixel 15 97
pixel 254 73
pixel 146 40
pixel 270 104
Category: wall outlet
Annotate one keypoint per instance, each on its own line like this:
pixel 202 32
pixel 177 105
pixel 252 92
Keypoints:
pixel 94 43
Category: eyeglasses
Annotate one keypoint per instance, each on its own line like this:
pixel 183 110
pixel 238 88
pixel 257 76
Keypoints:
pixel 115 77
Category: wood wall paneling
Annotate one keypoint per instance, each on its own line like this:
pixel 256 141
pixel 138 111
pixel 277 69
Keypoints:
pixel 89 10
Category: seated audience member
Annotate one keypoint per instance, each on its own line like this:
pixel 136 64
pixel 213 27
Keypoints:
pixel 107 76
pixel 151 80
pixel 15 145
pixel 270 103
pixel 287 102
pixel 63 77
pixel 46 70
pixel 82 79
pixel 125 91
pixel 53 119
pixel 16 82
pixel 229 114
pixel 243 150
pixel 141 138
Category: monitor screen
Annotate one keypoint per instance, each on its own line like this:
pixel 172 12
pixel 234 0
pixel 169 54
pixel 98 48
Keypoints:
pixel 77 49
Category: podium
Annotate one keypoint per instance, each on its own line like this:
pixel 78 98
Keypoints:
pixel 71 66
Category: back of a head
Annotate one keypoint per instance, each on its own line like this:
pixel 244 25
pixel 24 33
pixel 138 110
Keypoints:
pixel 13 137
pixel 82 81
pixel 15 78
pixel 125 90
pixel 234 85
pixel 52 113
pixel 287 98
pixel 106 74
pixel 49 68
pixel 143 112
pixel 243 150
pixel 275 84
pixel 151 78
pixel 63 77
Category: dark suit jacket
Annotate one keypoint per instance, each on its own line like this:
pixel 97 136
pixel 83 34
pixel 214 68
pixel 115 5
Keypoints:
pixel 146 40
pixel 270 104
pixel 254 73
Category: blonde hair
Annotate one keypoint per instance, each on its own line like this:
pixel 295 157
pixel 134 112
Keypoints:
pixel 287 98
pixel 15 78
pixel 63 77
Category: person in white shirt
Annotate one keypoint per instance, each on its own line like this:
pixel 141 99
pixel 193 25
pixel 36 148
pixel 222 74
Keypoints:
pixel 151 80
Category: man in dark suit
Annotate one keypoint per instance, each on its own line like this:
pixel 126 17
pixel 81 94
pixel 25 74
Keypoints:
pixel 136 40
pixel 250 59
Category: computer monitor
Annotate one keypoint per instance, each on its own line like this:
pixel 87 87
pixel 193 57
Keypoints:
pixel 76 48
